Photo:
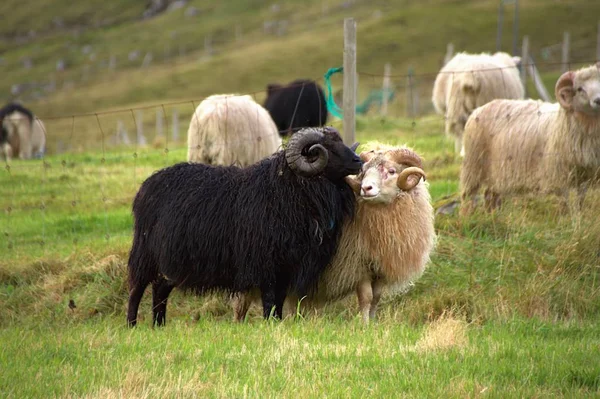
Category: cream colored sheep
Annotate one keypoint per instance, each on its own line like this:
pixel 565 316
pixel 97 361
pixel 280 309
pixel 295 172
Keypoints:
pixel 531 146
pixel 469 81
pixel 24 139
pixel 388 243
pixel 230 129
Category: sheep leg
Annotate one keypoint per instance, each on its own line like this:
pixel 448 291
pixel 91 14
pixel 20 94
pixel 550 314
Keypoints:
pixel 8 152
pixel 581 192
pixel 135 296
pixel 160 293
pixel 365 298
pixel 377 288
pixel 492 200
pixel 458 148
pixel 563 198
pixel 272 299
pixel 467 198
pixel 241 302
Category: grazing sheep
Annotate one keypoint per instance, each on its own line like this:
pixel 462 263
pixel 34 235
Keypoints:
pixel 386 245
pixel 273 225
pixel 228 129
pixel 527 146
pixel 300 104
pixel 469 81
pixel 21 133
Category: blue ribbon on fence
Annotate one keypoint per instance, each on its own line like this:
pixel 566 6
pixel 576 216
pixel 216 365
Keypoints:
pixel 332 107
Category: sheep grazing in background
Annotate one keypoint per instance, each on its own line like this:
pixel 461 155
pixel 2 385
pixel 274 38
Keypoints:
pixel 21 133
pixel 295 106
pixel 387 244
pixel 527 146
pixel 228 129
pixel 273 225
pixel 469 81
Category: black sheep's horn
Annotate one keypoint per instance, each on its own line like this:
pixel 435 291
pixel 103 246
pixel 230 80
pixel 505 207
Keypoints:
pixel 306 163
pixel 354 146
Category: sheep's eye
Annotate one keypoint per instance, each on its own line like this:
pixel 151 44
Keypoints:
pixel 391 171
pixel 580 89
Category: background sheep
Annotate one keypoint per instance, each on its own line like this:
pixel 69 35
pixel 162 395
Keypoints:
pixel 228 129
pixel 273 225
pixel 513 146
pixel 295 106
pixel 386 245
pixel 469 81
pixel 21 133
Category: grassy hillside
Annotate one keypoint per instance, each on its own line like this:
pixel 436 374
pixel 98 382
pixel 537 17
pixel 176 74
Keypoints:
pixel 509 305
pixel 404 33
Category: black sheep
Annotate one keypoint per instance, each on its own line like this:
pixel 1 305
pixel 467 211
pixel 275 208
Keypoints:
pixel 295 106
pixel 7 110
pixel 272 225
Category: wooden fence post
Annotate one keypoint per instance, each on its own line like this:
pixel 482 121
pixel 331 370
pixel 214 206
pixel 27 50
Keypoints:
pixel 449 53
pixel 139 122
pixel 411 95
pixel 175 125
pixel 598 44
pixel 565 51
pixel 159 122
pixel 349 80
pixel 387 71
pixel 208 50
pixel 524 62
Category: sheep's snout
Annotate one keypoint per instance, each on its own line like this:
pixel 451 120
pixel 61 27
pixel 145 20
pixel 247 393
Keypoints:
pixel 596 102
pixel 368 190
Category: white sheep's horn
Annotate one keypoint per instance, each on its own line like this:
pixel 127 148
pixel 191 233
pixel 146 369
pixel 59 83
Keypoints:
pixel 354 184
pixel 403 183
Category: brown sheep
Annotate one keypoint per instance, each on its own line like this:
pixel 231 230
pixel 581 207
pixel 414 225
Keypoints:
pixel 388 243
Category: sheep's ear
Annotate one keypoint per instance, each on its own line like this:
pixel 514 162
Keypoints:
pixel 366 156
pixel 564 91
pixel 470 83
pixel 271 87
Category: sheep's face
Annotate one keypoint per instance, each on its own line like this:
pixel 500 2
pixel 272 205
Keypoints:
pixel 343 161
pixel 580 91
pixel 320 151
pixel 462 102
pixel 388 174
pixel 379 180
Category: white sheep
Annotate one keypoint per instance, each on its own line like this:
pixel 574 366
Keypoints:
pixel 228 129
pixel 22 134
pixel 388 243
pixel 469 81
pixel 532 146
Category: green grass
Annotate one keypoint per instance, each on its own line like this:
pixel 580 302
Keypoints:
pixel 333 357
pixel 509 306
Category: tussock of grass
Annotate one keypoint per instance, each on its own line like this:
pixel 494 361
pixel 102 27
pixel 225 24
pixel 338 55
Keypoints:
pixel 444 333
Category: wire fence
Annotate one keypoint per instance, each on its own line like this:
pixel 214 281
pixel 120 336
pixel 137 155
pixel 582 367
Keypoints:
pixel 83 188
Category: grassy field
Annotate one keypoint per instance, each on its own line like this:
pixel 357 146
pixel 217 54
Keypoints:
pixel 509 306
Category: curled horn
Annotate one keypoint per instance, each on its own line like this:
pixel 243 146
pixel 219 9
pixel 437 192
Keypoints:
pixel 366 156
pixel 404 184
pixel 316 157
pixel 354 184
pixel 406 157
pixel 564 90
